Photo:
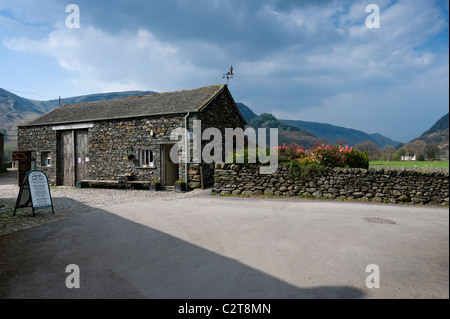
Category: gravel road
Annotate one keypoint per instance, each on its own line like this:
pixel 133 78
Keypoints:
pixel 69 201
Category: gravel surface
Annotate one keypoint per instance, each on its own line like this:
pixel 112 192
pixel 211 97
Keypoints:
pixel 68 201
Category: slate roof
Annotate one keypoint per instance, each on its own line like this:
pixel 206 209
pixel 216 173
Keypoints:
pixel 131 107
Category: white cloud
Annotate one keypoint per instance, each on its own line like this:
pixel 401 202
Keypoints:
pixel 311 62
pixel 376 80
pixel 127 61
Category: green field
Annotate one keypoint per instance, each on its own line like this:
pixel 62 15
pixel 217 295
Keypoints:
pixel 409 164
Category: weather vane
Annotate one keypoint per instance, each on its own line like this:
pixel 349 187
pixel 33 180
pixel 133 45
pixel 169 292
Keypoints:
pixel 228 75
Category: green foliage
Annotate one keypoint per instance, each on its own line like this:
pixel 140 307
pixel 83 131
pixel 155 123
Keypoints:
pixel 243 157
pixel 295 169
pixel 305 169
pixel 421 158
pixel 355 159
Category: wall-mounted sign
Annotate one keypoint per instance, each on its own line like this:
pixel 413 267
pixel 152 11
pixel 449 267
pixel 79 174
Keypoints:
pixel 34 190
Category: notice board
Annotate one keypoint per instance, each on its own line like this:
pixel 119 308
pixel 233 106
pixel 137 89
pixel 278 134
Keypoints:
pixel 34 190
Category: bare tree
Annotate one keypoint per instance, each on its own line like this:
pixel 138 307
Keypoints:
pixel 372 149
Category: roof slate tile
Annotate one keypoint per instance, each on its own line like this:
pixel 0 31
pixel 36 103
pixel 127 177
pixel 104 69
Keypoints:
pixel 136 106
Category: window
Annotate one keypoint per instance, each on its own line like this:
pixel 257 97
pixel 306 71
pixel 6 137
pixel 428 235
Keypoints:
pixel 46 159
pixel 146 158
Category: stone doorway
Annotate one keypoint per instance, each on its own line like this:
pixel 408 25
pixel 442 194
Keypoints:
pixel 169 169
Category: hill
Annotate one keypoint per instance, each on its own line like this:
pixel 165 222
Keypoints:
pixel 287 134
pixel 332 133
pixel 440 125
pixel 52 104
pixel 246 112
pixel 16 110
pixel 437 136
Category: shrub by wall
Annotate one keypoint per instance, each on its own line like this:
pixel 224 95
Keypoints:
pixel 376 185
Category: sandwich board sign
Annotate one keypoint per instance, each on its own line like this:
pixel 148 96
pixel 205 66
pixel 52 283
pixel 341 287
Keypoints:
pixel 34 190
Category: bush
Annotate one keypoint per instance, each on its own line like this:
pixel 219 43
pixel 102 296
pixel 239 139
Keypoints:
pixel 291 152
pixel 305 169
pixel 355 159
pixel 252 153
pixel 321 155
pixel 339 156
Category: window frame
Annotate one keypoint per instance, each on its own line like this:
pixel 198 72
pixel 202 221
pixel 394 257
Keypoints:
pixel 46 156
pixel 146 156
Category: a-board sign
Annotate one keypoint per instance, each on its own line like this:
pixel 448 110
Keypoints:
pixel 34 190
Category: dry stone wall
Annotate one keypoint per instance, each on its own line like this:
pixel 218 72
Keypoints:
pixel 376 185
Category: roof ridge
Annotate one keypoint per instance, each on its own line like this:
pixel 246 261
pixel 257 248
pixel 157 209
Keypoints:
pixel 167 103
pixel 140 96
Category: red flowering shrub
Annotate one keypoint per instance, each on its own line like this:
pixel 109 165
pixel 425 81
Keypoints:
pixel 325 155
pixel 291 152
pixel 338 156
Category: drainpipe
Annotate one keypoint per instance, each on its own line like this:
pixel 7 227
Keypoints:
pixel 187 149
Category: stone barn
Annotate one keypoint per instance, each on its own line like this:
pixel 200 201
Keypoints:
pixel 107 141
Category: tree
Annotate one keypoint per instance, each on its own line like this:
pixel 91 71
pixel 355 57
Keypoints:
pixel 415 148
pixel 367 146
pixel 431 151
pixel 372 149
pixel 389 152
pixel 400 153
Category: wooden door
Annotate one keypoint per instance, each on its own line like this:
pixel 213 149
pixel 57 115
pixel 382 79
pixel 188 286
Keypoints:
pixel 170 169
pixel 67 158
pixel 24 159
pixel 82 156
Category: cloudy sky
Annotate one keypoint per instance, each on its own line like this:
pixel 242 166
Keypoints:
pixel 308 60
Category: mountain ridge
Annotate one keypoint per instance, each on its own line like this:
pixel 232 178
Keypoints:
pixel 16 110
pixel 332 133
pixel 441 125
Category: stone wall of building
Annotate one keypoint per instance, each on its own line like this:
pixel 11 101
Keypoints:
pixel 110 141
pixel 376 185
pixel 221 113
pixel 41 139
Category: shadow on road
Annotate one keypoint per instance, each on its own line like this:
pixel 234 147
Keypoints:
pixel 119 258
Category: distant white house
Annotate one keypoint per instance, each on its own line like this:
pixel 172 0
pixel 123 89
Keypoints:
pixel 408 158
